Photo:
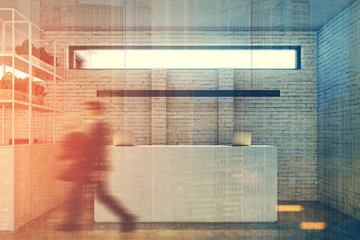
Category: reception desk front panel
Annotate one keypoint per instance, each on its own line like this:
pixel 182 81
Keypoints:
pixel 206 183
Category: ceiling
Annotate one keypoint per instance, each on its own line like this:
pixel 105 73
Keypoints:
pixel 244 15
pixel 218 15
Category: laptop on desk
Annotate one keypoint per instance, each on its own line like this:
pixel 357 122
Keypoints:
pixel 123 138
pixel 242 138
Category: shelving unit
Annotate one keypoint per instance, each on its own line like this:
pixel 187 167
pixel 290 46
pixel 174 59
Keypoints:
pixel 15 30
pixel 32 125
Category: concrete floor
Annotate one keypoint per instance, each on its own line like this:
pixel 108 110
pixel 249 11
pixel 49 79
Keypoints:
pixel 338 226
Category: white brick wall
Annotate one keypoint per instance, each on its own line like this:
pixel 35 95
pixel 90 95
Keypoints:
pixel 158 108
pixel 338 103
pixel 288 122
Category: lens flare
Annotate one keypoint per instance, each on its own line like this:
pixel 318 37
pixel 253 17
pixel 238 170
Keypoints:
pixel 312 225
pixel 289 208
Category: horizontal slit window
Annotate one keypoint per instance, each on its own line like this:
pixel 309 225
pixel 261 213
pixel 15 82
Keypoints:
pixel 185 57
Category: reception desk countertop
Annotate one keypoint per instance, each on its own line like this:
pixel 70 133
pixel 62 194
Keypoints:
pixel 194 183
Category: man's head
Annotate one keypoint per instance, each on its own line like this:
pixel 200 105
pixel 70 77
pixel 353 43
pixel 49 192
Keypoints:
pixel 72 122
pixel 94 109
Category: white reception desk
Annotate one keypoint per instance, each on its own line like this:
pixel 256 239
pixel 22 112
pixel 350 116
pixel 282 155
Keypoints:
pixel 201 183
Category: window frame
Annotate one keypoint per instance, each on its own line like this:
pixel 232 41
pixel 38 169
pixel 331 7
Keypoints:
pixel 297 49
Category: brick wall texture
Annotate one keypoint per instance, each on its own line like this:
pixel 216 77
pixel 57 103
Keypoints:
pixel 338 101
pixel 287 122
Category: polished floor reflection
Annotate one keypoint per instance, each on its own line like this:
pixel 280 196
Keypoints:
pixel 320 222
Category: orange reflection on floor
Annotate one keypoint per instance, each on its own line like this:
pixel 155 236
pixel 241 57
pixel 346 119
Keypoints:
pixel 289 208
pixel 312 225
